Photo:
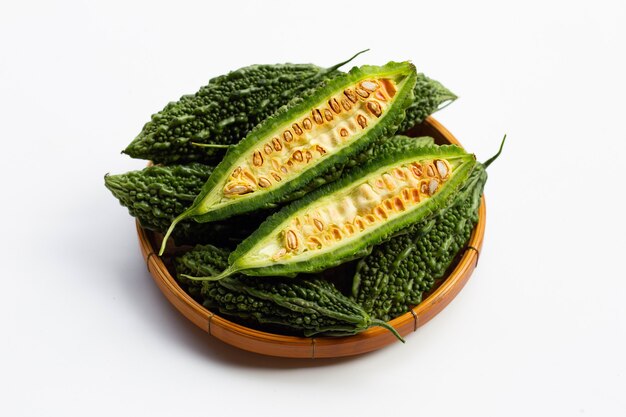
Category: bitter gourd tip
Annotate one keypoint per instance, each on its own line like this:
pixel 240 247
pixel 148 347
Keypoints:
pixel 493 158
pixel 445 102
pixel 112 183
pixel 443 94
pixel 385 325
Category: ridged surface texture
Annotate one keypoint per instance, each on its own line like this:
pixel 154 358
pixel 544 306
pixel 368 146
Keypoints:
pixel 306 306
pixel 223 112
pixel 428 96
pixel 156 195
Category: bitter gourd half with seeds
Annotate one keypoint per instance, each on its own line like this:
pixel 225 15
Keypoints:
pixel 309 307
pixel 224 111
pixel 288 150
pixel 343 220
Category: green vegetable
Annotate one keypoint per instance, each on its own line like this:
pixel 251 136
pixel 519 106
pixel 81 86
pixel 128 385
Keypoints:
pixel 289 150
pixel 397 144
pixel 343 220
pixel 308 306
pixel 157 194
pixel 429 96
pixel 224 111
pixel 393 278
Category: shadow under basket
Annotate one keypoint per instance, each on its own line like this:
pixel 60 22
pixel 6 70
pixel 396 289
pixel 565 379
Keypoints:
pixel 372 339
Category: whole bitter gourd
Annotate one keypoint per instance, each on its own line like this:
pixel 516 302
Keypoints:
pixel 289 150
pixel 224 111
pixel 311 306
pixel 393 278
pixel 341 221
pixel 156 195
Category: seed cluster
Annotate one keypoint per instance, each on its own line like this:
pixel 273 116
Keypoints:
pixel 368 205
pixel 312 137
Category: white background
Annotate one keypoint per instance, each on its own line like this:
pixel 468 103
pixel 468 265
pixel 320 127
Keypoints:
pixel 540 329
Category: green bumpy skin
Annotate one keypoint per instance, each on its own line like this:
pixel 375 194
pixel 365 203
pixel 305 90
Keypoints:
pixel 287 151
pixel 429 96
pixel 156 195
pixel 308 307
pixel 342 221
pixel 393 278
pixel 224 111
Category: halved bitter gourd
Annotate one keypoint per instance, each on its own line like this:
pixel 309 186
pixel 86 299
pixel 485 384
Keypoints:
pixel 291 148
pixel 343 220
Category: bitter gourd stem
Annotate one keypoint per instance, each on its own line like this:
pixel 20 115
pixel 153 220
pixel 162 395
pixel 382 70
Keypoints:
pixel 493 158
pixel 334 67
pixel 385 325
pixel 226 273
pixel 401 256
pixel 211 145
pixel 180 217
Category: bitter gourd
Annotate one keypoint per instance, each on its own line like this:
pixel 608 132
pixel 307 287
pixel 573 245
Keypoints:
pixel 288 150
pixel 224 111
pixel 156 195
pixel 341 221
pixel 428 96
pixel 393 278
pixel 309 306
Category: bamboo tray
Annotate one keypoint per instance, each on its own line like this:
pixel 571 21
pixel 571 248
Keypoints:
pixel 320 347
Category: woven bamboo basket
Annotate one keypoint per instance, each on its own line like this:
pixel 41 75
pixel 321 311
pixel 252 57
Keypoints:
pixel 320 347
